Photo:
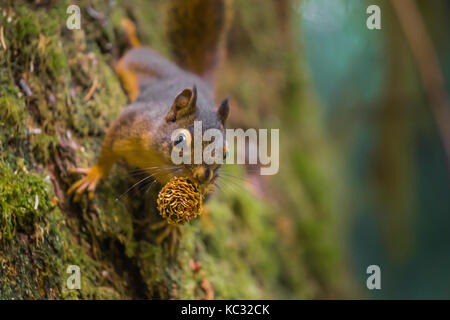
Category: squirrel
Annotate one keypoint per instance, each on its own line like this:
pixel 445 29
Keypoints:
pixel 165 96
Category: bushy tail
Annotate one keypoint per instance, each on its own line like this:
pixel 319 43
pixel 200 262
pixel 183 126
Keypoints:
pixel 130 33
pixel 196 31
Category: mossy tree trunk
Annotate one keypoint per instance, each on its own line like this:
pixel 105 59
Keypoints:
pixel 59 93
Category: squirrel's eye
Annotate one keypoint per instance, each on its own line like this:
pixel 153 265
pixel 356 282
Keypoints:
pixel 181 140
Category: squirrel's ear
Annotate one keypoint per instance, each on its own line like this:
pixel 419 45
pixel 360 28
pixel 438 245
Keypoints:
pixel 183 105
pixel 223 111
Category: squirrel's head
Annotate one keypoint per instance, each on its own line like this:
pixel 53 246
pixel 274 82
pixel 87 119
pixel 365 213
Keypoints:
pixel 188 137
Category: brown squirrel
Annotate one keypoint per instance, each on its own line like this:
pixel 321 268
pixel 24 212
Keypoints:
pixel 165 97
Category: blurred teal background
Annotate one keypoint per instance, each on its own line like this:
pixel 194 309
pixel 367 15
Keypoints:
pixel 381 125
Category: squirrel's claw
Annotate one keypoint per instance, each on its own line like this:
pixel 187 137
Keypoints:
pixel 170 232
pixel 89 182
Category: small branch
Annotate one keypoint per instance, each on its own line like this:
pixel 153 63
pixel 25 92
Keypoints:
pixel 91 90
pixel 2 38
pixel 428 64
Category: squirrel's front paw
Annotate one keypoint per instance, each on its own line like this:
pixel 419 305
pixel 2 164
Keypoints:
pixel 89 182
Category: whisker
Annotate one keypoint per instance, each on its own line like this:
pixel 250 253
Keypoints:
pixel 226 174
pixel 137 175
pixel 161 172
pixel 137 183
pixel 144 170
pixel 155 167
pixel 237 178
pixel 216 184
pixel 240 186
pixel 178 170
pixel 150 186
pixel 230 188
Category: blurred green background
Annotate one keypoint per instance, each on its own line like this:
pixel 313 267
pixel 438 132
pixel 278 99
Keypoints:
pixel 379 120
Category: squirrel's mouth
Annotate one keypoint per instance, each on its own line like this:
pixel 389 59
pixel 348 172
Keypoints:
pixel 204 177
pixel 205 187
pixel 208 187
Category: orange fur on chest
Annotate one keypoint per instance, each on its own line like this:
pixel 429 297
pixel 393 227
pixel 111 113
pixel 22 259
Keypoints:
pixel 138 153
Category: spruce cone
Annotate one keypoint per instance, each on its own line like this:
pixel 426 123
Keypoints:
pixel 179 201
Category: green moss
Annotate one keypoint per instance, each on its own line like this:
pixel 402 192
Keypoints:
pixel 29 237
pixel 22 201
pixel 38 56
pixel 31 223
pixel 307 170
pixel 26 27
pixel 12 117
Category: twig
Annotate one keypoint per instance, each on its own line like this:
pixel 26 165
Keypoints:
pixel 91 90
pixel 25 87
pixel 428 64
pixel 2 38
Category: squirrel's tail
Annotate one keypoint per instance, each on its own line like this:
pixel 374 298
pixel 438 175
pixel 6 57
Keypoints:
pixel 196 31
pixel 130 33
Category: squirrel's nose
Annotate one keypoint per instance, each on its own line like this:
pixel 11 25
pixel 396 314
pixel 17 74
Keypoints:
pixel 203 174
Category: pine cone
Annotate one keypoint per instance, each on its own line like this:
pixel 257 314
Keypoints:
pixel 179 201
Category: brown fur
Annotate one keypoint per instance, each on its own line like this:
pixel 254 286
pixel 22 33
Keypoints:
pixel 164 97
pixel 196 30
